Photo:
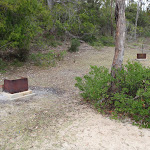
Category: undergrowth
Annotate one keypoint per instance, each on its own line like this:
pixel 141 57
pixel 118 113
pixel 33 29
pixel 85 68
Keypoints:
pixel 46 59
pixel 3 66
pixel 75 43
pixel 131 100
pixel 103 41
pixel 37 59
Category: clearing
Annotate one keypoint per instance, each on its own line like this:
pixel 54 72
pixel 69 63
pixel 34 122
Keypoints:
pixel 57 118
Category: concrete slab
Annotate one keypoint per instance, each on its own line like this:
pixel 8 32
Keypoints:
pixel 8 96
pixel 1 88
pixel 141 59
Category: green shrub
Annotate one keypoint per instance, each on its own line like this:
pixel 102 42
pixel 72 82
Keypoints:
pixel 97 43
pixel 75 43
pixel 133 97
pixel 107 40
pixel 89 38
pixel 95 85
pixel 46 59
pixel 17 63
pixel 3 66
pixel 132 77
pixel 21 21
pixel 137 108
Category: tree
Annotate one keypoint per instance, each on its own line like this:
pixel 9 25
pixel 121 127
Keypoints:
pixel 50 3
pixel 120 39
pixel 20 22
pixel 137 17
pixel 112 28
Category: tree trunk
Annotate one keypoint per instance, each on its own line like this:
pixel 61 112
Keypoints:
pixel 112 28
pixel 50 3
pixel 136 20
pixel 120 39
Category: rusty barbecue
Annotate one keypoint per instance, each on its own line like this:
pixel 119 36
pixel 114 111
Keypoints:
pixel 15 86
pixel 141 56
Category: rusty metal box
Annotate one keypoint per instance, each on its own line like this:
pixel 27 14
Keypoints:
pixel 141 56
pixel 15 86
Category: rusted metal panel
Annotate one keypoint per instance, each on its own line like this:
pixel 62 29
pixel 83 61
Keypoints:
pixel 141 56
pixel 15 86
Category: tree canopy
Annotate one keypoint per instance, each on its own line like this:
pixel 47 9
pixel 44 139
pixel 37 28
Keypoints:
pixel 23 21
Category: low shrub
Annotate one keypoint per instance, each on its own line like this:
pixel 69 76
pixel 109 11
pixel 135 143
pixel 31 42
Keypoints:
pixel 95 85
pixel 17 63
pixel 75 43
pixel 107 40
pixel 46 59
pixel 3 66
pixel 133 97
pixel 102 41
pixel 132 77
pixel 97 43
pixel 89 38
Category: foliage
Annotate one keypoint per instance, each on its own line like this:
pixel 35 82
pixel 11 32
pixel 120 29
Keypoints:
pixel 75 43
pixel 82 19
pixel 95 85
pixel 107 41
pixel 143 24
pixel 44 41
pixel 21 21
pixel 133 97
pixel 132 77
pixel 46 59
pixel 3 66
pixel 16 63
pixel 97 43
pixel 103 41
pixel 89 38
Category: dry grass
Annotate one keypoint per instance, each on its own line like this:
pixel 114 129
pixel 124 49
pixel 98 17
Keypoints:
pixel 57 119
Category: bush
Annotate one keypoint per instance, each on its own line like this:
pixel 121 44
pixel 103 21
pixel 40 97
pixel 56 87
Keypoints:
pixel 3 66
pixel 97 43
pixel 75 43
pixel 21 21
pixel 17 63
pixel 132 77
pixel 89 38
pixel 107 40
pixel 46 59
pixel 133 97
pixel 95 85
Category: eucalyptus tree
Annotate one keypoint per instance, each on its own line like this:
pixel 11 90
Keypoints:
pixel 120 39
pixel 139 6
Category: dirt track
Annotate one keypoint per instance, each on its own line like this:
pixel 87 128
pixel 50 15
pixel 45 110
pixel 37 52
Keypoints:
pixel 57 119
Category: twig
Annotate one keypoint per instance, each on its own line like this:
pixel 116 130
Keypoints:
pixel 136 97
pixel 5 44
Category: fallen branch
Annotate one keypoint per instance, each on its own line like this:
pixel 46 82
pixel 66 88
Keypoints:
pixel 136 97
pixel 5 45
pixel 73 36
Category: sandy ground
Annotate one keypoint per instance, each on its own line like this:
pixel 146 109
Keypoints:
pixel 57 118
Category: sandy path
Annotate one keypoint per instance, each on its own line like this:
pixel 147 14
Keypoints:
pixel 57 119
